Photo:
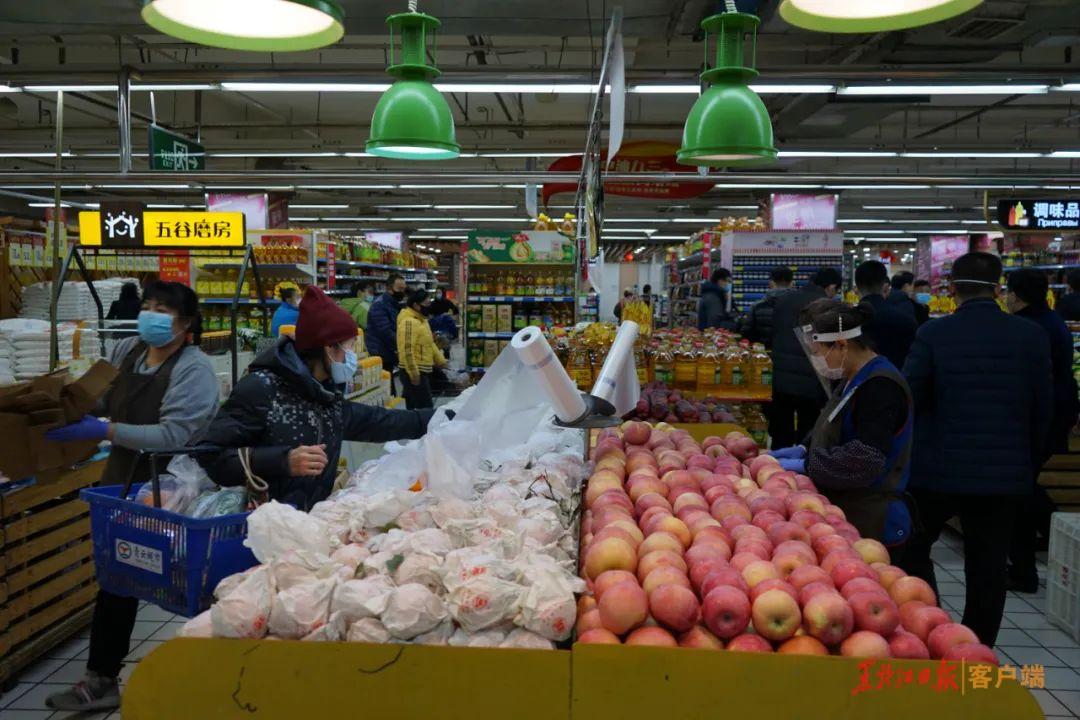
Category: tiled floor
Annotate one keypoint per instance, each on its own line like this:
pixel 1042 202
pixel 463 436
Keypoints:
pixel 1026 638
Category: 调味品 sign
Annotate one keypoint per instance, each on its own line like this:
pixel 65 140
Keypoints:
pixel 118 226
pixel 1050 215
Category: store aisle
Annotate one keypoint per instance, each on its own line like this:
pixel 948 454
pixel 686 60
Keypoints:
pixel 1026 638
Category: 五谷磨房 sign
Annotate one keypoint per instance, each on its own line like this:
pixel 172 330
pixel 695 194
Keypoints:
pixel 116 227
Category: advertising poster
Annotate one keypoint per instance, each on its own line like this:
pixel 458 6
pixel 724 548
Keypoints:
pixel 944 250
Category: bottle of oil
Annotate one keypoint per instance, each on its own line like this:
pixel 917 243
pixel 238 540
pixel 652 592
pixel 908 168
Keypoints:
pixel 664 366
pixel 708 363
pixel 579 366
pixel 738 364
pixel 685 368
pixel 762 364
pixel 512 284
pixel 641 362
pixel 500 284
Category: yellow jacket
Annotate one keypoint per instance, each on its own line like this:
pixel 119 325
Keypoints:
pixel 417 352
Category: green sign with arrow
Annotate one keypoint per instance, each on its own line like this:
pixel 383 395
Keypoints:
pixel 173 152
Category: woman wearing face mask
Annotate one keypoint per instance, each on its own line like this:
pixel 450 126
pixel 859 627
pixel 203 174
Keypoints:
pixel 287 311
pixel 417 351
pixel 289 415
pixel 164 397
pixel 858 452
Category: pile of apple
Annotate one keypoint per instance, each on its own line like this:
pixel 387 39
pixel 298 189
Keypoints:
pixel 716 546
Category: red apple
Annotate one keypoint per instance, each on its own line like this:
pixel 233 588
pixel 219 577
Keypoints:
pixel 947 635
pixel 903 644
pixel 724 576
pixel 659 541
pixel 925 619
pixel 589 620
pixel 768 519
pixel 609 554
pixel 772 584
pixel 802 576
pixel 828 617
pixel 655 559
pixel 807 519
pixel 598 636
pixel 664 575
pixel 749 643
pixel 862 584
pixel 674 607
pixel 655 636
pixel 802 645
pixel 776 615
pixel 847 570
pixel 699 637
pixel 871 550
pixel 874 611
pixel 909 588
pixel 623 607
pixel 608 578
pixel 648 500
pixel 888 574
pixel 866 644
pixel 971 652
pixel 702 569
pixel 726 611
pixel 812 589
pixel 637 433
pixel 755 547
pixel 740 560
pixel 789 561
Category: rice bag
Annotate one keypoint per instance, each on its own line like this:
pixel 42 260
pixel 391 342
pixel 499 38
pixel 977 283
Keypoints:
pixel 199 626
pixel 420 568
pixel 481 602
pixel 368 630
pixel 522 638
pixel 333 631
pixel 275 528
pixel 356 599
pixel 412 610
pixel 245 611
pixel 301 609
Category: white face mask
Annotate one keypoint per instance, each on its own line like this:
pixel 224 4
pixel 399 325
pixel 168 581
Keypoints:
pixel 821 367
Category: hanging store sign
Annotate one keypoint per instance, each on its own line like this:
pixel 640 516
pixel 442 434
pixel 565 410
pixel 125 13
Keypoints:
pixel 175 266
pixel 174 153
pixel 1050 215
pixel 643 156
pixel 530 246
pixel 116 226
pixel 785 243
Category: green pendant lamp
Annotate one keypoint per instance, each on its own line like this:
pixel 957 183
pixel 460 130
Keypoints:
pixel 412 120
pixel 729 125
pixel 870 16
pixel 261 25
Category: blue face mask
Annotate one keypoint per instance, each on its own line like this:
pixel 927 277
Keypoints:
pixel 343 372
pixel 156 328
pixel 924 298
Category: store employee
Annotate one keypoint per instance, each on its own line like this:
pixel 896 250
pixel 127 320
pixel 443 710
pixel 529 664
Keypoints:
pixel 164 397
pixel 859 449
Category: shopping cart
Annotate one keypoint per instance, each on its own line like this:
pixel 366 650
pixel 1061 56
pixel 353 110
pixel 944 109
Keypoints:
pixel 171 560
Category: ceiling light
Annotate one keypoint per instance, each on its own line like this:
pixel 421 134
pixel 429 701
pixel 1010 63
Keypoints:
pixel 860 16
pixel 1067 87
pixel 761 89
pixel 453 237
pixel 304 87
pixel 470 207
pixel 346 187
pixel 698 221
pixel 412 120
pixel 632 238
pixel 729 125
pixel 1065 154
pixel 9 89
pixel 70 88
pixel 450 187
pixel 669 237
pixel 298 154
pixel 304 219
pixel 537 88
pixel 420 206
pixel 906 207
pixel 868 221
pixel 62 204
pixel 971 154
pixel 877 187
pixel 865 90
pixel 524 154
pixel 178 87
pixel 34 154
pixel 835 153
pixel 143 187
pixel 636 220
pixel 876 232
pixel 647 231
pixel 319 207
pixel 446 229
pixel 258 25
pixel 768 186
pixel 639 249
pixel 938 232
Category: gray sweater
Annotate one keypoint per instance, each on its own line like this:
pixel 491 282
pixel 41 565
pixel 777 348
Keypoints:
pixel 190 402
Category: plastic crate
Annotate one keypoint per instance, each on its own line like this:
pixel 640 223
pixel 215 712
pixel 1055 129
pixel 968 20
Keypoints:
pixel 1063 573
pixel 173 561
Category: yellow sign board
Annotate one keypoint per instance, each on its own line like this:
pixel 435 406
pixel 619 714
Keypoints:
pixel 173 229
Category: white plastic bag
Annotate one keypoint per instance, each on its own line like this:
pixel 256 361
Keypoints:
pixel 298 566
pixel 333 631
pixel 522 638
pixel 548 606
pixel 199 626
pixel 485 638
pixel 412 610
pixel 368 630
pixel 275 528
pixel 351 555
pixel 420 568
pixel 184 482
pixel 301 609
pixel 482 602
pixel 245 612
pixel 439 636
pixel 357 599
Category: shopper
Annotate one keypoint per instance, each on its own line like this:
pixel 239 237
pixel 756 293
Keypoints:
pixel 359 305
pixel 289 416
pixel 715 309
pixel 287 311
pixel 1068 305
pixel 902 287
pixel 417 350
pixel 921 296
pixel 980 379
pixel 757 325
pixel 627 296
pixel 164 397
pixel 890 331
pixel 1026 298
pixel 797 392
pixel 443 305
pixel 126 307
pixel 646 294
pixel 380 334
pixel 859 450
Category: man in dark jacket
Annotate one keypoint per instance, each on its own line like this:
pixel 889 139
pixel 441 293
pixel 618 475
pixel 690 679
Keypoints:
pixel 797 392
pixel 758 324
pixel 288 414
pixel 1026 298
pixel 921 298
pixel 380 336
pixel 980 380
pixel 715 309
pixel 902 286
pixel 891 331
pixel 1068 305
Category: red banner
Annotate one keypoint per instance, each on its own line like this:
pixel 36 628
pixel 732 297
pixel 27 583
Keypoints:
pixel 331 266
pixel 174 266
pixel 706 255
pixel 642 156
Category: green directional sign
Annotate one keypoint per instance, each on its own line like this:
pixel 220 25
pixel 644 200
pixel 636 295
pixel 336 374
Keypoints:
pixel 173 152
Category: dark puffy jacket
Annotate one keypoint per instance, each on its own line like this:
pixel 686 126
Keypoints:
pixel 1068 306
pixel 757 326
pixel 898 300
pixel 892 330
pixel 380 335
pixel 980 379
pixel 278 406
pixel 792 372
pixel 1066 404
pixel 712 308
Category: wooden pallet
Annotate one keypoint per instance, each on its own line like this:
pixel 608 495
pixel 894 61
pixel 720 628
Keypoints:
pixel 1061 478
pixel 47 584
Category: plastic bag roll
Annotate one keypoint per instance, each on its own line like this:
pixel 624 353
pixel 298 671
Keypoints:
pixel 535 353
pixel 617 382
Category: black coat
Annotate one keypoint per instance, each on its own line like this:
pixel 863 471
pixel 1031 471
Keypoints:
pixel 1068 306
pixel 757 326
pixel 380 335
pixel 1066 404
pixel 713 309
pixel 980 380
pixel 278 406
pixel 792 372
pixel 892 329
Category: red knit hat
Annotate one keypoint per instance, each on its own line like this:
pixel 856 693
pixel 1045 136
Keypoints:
pixel 321 322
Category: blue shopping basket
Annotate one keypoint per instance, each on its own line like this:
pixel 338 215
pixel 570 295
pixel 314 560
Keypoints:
pixel 171 560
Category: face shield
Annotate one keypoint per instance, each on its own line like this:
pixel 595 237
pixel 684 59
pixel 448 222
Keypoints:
pixel 809 340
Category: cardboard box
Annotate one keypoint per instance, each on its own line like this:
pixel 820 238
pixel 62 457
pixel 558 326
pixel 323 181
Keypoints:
pixel 29 409
pixel 506 318
pixel 489 321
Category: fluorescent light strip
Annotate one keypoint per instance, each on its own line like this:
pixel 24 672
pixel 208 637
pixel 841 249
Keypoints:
pixel 906 207
pixel 34 154
pixel 297 154
pixel 165 206
pixel 304 219
pixel 836 153
pixel 636 220
pixel 1065 154
pixel 766 186
pixel 647 231
pixel 453 187
pixel 346 187
pixel 421 206
pixel 963 155
pixel 181 86
pixel 445 229
pixel 423 237
pixel 256 188
pixel 70 88
pixel 143 187
pixel 878 187
pixel 525 154
pixel 877 232
pixel 304 87
pixel 62 204
pixel 466 207
pixel 453 237
pixel 879 90
pixel 669 237
pixel 319 207
pixel 620 237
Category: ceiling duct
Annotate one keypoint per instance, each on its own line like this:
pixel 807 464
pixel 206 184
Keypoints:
pixel 983 28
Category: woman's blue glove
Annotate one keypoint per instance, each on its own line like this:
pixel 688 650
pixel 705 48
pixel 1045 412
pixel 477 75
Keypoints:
pixel 797 452
pixel 797 465
pixel 89 428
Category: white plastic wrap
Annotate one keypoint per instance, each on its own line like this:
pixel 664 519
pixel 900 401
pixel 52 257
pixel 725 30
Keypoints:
pixel 439 636
pixel 245 612
pixel 200 626
pixel 275 528
pixel 412 610
pixel 521 638
pixel 333 631
pixel 368 630
pixel 485 638
pixel 617 381
pixel 548 606
pixel 357 599
pixel 544 368
pixel 298 566
pixel 351 555
pixel 301 609
pixel 421 568
pixel 481 602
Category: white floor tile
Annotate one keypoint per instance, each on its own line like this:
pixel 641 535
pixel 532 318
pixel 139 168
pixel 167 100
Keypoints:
pixel 1033 621
pixel 1016 637
pixel 69 649
pixel 144 629
pixel 1071 658
pixel 25 714
pixel 1039 603
pixel 167 632
pixel 1053 639
pixel 1060 678
pixel 82 716
pixel 72 672
pixel 35 698
pixel 14 693
pixel 142 650
pixel 1070 699
pixel 41 669
pixel 1048 703
pixel 1016 605
pixel 1033 656
pixel 154 613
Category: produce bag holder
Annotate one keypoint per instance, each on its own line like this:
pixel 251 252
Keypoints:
pixel 599 413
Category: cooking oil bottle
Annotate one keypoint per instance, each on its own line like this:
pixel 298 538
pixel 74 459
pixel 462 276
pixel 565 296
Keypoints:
pixel 685 368
pixel 762 369
pixel 579 366
pixel 641 362
pixel 664 365
pixel 739 367
pixel 708 369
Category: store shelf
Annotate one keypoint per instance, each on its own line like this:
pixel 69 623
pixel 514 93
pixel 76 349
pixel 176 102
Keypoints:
pixel 491 335
pixel 241 301
pixel 521 264
pixel 1068 266
pixel 276 267
pixel 375 266
pixel 521 298
pixel 471 368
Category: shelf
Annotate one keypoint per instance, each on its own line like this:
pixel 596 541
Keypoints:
pixel 375 266
pixel 470 368
pixel 522 264
pixel 491 335
pixel 521 298
pixel 241 301
pixel 1068 266
pixel 259 266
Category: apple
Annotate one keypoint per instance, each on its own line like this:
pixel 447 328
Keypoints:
pixel 789 561
pixel 804 501
pixel 847 570
pixel 612 464
pixel 700 460
pixel 802 645
pixel 585 603
pixel 637 433
pixel 651 499
pixel 749 643
pixel 650 517
pixel 629 526
pixel 702 569
pixel 729 505
pixel 640 461
pixel 972 652
pixel 688 500
pixel 678 477
pixel 765 472
pixel 645 485
pixel 828 617
pixel 608 578
pixel 600 482
pixel 724 576
pixel 664 575
pixel 656 636
pixel 733 521
pixel 776 615
pixel 700 553
pixel 614 531
pixel 699 637
pixel 726 611
pixel 772 584
pixel 623 607
pixel 827 544
pixel 814 588
pixel 740 560
pixel 862 584
pixel 712 535
pixel 674 607
pixel 805 484
pixel 590 620
pixel 758 571
pixel 837 556
pixel 909 588
pixel 947 635
pixel 749 532
pixel 715 492
pixel 865 644
pixel 607 446
pixel 762 550
pixel 609 554
pixel 874 611
pixel 804 575
pixel 820 529
pixel 761 461
pixel 597 636
pixel 903 644
pixel 659 541
pixel 767 519
pixel 922 621
pixel 871 550
pixel 888 574
pixel 766 502
pixel 676 527
pixel 655 559
pixel 807 519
